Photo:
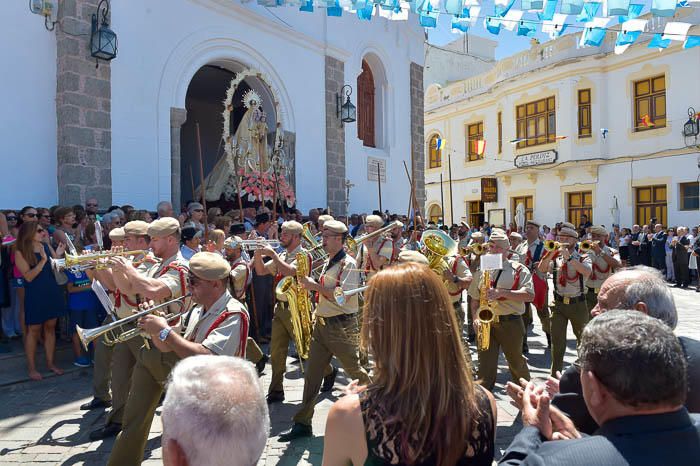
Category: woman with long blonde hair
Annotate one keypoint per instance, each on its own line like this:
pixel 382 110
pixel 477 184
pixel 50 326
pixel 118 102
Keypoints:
pixel 422 406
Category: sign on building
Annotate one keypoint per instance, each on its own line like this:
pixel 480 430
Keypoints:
pixel 374 166
pixel 536 158
pixel 489 190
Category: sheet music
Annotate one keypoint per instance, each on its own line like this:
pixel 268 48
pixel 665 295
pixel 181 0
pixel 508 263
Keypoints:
pixel 103 297
pixel 491 262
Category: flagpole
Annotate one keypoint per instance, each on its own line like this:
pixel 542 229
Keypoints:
pixel 442 200
pixel 379 184
pixel 449 168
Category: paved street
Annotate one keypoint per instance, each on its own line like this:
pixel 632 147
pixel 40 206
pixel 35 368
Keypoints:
pixel 40 422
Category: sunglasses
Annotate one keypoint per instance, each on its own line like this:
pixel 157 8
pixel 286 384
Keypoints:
pixel 40 230
pixel 10 219
pixel 45 216
pixel 194 281
pixel 198 210
pixel 30 215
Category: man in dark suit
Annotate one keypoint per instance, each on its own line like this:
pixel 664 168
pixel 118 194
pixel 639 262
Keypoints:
pixel 633 375
pixel 658 248
pixel 680 246
pixel 634 257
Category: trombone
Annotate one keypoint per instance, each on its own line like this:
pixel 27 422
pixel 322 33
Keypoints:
pixel 352 244
pixel 253 244
pixel 88 335
pixel 341 296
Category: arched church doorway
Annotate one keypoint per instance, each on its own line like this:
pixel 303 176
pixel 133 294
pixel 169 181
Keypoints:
pixel 205 103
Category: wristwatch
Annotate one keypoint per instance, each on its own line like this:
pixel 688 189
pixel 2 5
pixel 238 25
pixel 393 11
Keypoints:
pixel 163 335
pixel 455 279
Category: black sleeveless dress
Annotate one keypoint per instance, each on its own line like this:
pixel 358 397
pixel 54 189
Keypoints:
pixel 383 446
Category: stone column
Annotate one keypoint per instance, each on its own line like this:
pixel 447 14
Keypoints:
pixel 178 116
pixel 83 110
pixel 417 136
pixel 335 139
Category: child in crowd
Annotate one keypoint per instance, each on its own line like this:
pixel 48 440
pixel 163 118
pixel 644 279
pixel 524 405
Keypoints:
pixel 84 309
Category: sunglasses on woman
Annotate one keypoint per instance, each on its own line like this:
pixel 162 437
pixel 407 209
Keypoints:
pixel 11 219
pixel 30 215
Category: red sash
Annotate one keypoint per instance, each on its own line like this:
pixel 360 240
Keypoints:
pixel 541 291
pixel 454 271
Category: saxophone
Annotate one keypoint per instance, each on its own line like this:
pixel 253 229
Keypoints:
pixel 485 313
pixel 299 302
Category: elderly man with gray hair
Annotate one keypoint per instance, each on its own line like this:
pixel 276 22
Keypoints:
pixel 214 413
pixel 643 289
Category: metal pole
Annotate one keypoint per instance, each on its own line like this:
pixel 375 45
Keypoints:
pixel 379 184
pixel 449 167
pixel 442 200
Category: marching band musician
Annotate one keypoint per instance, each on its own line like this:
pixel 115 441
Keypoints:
pixel 117 361
pixel 570 270
pixel 474 261
pixel 336 331
pixel 283 265
pixel 509 290
pixel 376 253
pixel 457 278
pixel 116 237
pixel 239 279
pixel 161 282
pixel 397 241
pixel 604 262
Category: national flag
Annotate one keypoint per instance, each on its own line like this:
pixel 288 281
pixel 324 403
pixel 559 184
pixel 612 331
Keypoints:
pixel 646 121
pixel 440 143
pixel 479 146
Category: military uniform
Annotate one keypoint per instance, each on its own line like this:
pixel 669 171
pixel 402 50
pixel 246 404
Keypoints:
pixel 336 333
pixel 569 305
pixel 383 247
pixel 601 270
pixel 149 374
pixel 507 329
pixel 239 279
pixel 460 269
pixel 530 255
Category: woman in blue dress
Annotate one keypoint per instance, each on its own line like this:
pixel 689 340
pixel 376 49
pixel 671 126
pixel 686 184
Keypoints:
pixel 44 299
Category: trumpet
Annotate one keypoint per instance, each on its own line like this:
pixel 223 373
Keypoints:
pixel 477 249
pixel 341 296
pixel 88 335
pixel 253 244
pixel 96 260
pixel 352 244
pixel 551 245
pixel 587 245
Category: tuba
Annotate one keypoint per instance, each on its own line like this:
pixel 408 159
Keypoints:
pixel 352 244
pixel 437 245
pixel 485 313
pixel 299 303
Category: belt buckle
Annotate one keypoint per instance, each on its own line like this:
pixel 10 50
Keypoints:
pixel 566 300
pixel 596 290
pixel 321 320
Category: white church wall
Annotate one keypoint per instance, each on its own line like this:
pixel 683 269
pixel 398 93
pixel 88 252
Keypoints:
pixel 28 116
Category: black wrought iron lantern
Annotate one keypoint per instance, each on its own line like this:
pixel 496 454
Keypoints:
pixel 103 41
pixel 345 111
pixel 691 128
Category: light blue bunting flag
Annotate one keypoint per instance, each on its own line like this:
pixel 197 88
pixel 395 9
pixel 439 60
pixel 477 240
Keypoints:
pixel 460 24
pixel 454 7
pixel 527 28
pixel 493 25
pixel 663 7
pixel 657 42
pixel 307 6
pixel 365 12
pixel 571 7
pixel 691 41
pixel 549 8
pixel 423 6
pixel 589 11
pixel 334 9
pixel 634 11
pixel 594 36
pixel 682 4
pixel 618 7
pixel 388 4
pixel 532 4
pixel 428 19
pixel 501 7
pixel 624 38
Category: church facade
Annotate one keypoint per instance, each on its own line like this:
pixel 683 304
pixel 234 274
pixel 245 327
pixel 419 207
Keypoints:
pixel 256 89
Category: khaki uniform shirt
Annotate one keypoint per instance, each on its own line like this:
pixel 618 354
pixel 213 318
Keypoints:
pixel 239 276
pixel 220 336
pixel 344 274
pixel 601 269
pixel 572 289
pixel 125 304
pixel 458 266
pixel 506 281
pixel 384 247
pixel 288 258
pixel 173 272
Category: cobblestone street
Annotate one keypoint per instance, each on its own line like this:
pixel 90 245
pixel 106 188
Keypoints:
pixel 41 422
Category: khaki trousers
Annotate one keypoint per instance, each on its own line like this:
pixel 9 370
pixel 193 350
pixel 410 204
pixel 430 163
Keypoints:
pixel 102 372
pixel 507 333
pixel 575 312
pixel 253 353
pixel 124 357
pixel 282 335
pixel 543 314
pixel 334 336
pixel 149 377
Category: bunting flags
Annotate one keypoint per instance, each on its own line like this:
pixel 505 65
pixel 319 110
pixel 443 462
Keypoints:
pixel 549 8
pixel 663 7
pixel 527 28
pixel 532 4
pixel 676 31
pixel 691 42
pixel 617 7
pixel 658 42
pixel 571 7
pixel 493 25
pixel 589 11
pixel 555 27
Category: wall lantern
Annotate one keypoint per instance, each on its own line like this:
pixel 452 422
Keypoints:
pixel 103 41
pixel 345 111
pixel 46 8
pixel 691 128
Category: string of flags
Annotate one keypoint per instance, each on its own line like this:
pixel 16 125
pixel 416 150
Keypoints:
pixel 594 18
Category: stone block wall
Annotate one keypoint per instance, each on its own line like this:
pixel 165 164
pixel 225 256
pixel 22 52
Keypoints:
pixel 417 136
pixel 83 109
pixel 335 139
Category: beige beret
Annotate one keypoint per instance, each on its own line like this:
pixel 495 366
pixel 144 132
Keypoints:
pixel 533 223
pixel 477 235
pixel 117 234
pixel 374 221
pixel 209 266
pixel 498 235
pixel 233 242
pixel 324 218
pixel 136 228
pixel 335 226
pixel 516 235
pixel 293 227
pixel 566 231
pixel 399 224
pixel 598 230
pixel 165 226
pixel 568 225
pixel 464 224
pixel 412 256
